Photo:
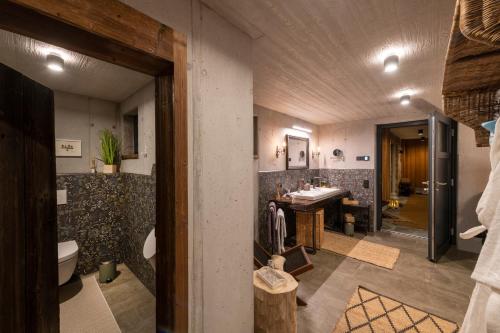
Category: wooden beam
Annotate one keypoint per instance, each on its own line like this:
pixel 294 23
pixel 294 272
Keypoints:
pixel 29 23
pixel 112 20
pixel 181 182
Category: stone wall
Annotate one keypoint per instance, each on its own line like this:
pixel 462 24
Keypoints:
pixel 109 217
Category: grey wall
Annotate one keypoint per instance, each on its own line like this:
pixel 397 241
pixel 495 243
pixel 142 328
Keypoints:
pixel 144 101
pixel 109 217
pixel 82 118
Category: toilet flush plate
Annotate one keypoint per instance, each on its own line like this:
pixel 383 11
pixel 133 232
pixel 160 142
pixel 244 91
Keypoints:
pixel 62 197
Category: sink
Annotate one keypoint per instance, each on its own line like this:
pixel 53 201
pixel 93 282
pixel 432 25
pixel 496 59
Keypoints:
pixel 316 193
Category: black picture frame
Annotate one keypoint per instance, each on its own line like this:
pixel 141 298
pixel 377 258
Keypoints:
pixel 306 140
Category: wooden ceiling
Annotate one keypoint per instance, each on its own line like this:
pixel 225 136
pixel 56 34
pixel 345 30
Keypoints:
pixel 322 60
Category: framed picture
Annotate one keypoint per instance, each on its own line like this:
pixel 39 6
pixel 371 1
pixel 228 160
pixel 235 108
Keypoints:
pixel 68 148
pixel 297 153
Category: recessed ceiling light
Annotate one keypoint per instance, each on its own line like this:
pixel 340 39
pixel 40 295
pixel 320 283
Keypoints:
pixel 55 63
pixel 391 64
pixel 405 100
pixel 298 128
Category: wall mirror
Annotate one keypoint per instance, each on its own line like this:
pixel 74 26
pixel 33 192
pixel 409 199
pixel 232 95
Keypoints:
pixel 297 153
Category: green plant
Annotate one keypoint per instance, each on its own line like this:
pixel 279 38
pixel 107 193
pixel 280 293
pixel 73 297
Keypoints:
pixel 110 147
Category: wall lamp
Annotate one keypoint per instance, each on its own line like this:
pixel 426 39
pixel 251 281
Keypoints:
pixel 280 151
pixel 316 153
pixel 298 128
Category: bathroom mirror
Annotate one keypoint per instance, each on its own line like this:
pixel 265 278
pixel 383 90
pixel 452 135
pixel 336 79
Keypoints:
pixel 297 153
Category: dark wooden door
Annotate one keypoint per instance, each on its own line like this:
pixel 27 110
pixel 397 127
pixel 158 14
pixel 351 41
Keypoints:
pixel 440 185
pixel 28 226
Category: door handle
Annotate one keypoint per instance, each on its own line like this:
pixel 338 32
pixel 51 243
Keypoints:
pixel 426 182
pixel 441 184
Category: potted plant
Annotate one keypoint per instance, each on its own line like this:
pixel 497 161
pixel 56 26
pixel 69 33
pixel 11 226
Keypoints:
pixel 110 149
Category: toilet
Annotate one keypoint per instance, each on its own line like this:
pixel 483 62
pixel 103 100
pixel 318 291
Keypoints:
pixel 67 258
pixel 149 250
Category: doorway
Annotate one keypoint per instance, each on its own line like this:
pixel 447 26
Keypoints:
pixel 405 175
pixel 149 47
pixel 416 175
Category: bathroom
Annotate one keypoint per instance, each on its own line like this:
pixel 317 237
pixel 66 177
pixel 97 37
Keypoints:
pixel 106 203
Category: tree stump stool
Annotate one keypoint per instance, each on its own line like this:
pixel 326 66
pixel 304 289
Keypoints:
pixel 275 310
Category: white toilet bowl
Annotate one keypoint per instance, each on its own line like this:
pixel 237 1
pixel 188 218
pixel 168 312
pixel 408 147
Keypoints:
pixel 67 258
pixel 149 250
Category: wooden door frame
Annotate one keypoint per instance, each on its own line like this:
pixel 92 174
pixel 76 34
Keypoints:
pixel 117 33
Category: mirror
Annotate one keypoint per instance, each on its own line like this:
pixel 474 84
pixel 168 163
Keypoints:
pixel 297 153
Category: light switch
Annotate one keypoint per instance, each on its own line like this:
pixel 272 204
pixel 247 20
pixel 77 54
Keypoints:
pixel 62 197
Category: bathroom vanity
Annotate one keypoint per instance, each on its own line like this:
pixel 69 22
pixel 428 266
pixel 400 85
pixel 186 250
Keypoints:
pixel 328 199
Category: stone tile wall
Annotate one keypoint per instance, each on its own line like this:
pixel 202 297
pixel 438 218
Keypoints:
pixel 109 216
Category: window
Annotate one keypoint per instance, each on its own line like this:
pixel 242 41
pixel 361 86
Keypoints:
pixel 130 143
pixel 255 137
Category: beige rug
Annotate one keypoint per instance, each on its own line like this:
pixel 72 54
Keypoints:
pixel 82 308
pixel 368 311
pixel 380 255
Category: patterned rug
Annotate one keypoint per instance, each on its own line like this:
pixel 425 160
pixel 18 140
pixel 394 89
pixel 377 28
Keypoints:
pixel 368 311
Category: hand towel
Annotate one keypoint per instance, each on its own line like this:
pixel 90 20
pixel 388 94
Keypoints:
pixel 280 231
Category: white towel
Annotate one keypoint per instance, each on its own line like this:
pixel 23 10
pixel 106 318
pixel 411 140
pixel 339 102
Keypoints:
pixel 280 230
pixel 484 307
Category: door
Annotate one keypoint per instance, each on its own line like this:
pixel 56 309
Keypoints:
pixel 29 299
pixel 440 185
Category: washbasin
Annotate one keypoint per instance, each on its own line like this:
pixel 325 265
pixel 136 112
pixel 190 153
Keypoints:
pixel 316 193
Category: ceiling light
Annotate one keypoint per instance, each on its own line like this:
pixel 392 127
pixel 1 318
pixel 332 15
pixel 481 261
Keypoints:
pixel 55 63
pixel 298 128
pixel 405 100
pixel 391 64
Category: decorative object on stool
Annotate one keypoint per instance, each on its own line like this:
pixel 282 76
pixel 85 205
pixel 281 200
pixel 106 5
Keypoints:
pixel 110 149
pixel 107 271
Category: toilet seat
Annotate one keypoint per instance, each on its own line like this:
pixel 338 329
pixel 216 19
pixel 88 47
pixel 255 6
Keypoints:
pixel 66 250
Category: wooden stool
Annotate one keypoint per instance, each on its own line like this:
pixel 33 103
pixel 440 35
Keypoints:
pixel 275 310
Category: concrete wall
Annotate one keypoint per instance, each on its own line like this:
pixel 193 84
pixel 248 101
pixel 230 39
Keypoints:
pixel 357 138
pixel 144 101
pixel 473 171
pixel 220 164
pixel 82 118
pixel 273 127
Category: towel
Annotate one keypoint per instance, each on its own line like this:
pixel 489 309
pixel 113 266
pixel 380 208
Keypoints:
pixel 280 231
pixel 271 222
pixel 482 313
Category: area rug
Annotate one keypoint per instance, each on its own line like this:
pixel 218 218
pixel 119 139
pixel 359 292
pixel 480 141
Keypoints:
pixel 82 308
pixel 368 311
pixel 376 254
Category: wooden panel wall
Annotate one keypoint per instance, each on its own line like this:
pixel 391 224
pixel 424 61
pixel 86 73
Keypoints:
pixel 386 164
pixel 415 161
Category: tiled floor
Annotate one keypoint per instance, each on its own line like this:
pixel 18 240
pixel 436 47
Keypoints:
pixel 443 289
pixel 132 304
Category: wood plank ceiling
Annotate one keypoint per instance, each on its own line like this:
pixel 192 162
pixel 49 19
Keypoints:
pixel 322 60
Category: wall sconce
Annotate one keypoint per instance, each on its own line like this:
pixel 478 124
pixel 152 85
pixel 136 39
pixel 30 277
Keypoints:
pixel 280 151
pixel 316 153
